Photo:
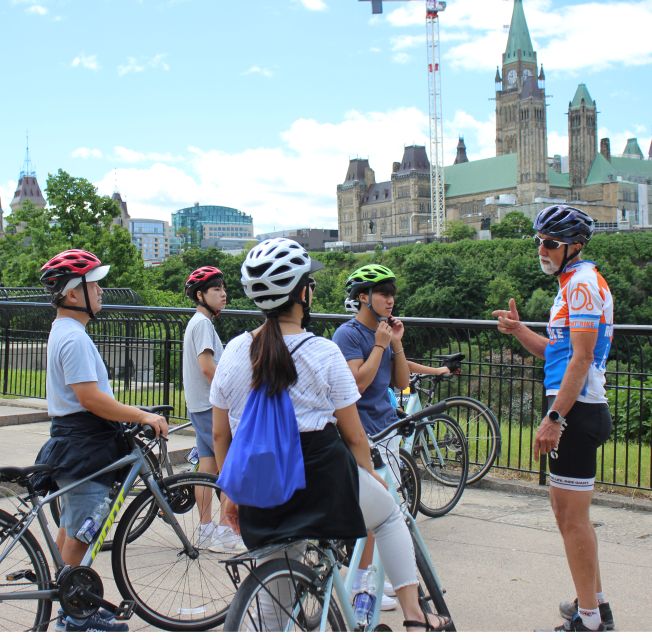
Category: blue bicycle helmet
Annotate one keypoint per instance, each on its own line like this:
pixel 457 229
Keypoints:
pixel 565 223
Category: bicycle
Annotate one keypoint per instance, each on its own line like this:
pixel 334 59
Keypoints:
pixel 479 423
pixel 158 461
pixel 299 596
pixel 160 570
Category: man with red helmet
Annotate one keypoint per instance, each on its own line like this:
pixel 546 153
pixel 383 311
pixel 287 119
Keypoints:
pixel 202 349
pixel 84 436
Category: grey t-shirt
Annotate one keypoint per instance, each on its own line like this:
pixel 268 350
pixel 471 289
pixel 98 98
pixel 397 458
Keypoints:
pixel 200 336
pixel 72 358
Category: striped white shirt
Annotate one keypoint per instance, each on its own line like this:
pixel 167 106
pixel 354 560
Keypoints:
pixel 325 382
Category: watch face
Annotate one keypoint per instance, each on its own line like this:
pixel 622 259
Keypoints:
pixel 511 76
pixel 526 74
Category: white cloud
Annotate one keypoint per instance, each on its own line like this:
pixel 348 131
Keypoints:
pixel 479 136
pixel 37 9
pixel 400 43
pixel 7 191
pixel 585 35
pixel 85 62
pixel 123 154
pixel 86 152
pixel 139 65
pixel 314 5
pixel 258 71
pixel 293 184
pixel 401 57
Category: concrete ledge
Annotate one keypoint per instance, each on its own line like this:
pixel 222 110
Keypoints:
pixel 24 418
pixel 520 487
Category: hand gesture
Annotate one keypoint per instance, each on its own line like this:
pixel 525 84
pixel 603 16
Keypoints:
pixel 383 334
pixel 508 321
pixel 397 329
pixel 547 437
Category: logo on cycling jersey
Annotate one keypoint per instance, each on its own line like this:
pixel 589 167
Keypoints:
pixel 580 297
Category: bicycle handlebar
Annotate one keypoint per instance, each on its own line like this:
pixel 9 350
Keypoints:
pixel 406 426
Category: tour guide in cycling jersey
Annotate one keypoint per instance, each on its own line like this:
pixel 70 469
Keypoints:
pixel 81 404
pixel 577 422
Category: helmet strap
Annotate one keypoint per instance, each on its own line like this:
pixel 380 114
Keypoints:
pixel 378 317
pixel 567 259
pixel 87 309
pixel 215 313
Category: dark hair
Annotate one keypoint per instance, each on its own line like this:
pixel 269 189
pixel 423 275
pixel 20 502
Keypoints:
pixel 218 281
pixel 271 362
pixel 387 288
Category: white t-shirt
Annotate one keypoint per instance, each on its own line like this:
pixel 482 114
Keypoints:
pixel 72 358
pixel 200 335
pixel 325 382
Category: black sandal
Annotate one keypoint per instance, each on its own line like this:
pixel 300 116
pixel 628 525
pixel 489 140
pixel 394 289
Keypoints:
pixel 444 622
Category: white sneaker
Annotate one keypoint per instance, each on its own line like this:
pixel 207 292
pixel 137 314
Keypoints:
pixel 388 589
pixel 205 535
pixel 226 541
pixel 388 604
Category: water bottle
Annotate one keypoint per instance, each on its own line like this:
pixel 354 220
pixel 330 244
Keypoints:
pixel 92 524
pixel 193 456
pixel 365 600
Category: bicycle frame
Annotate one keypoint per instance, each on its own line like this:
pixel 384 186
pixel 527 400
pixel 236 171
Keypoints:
pixel 139 467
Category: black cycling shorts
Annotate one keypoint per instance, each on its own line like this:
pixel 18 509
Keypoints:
pixel 588 427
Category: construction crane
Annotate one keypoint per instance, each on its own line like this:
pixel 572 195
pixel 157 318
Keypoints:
pixel 437 184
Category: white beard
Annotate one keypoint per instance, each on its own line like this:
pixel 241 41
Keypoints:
pixel 548 267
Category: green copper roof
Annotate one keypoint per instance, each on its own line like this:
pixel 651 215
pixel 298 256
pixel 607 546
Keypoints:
pixel 601 171
pixel 519 37
pixel 558 179
pixel 478 176
pixel 632 149
pixel 582 93
pixel 632 168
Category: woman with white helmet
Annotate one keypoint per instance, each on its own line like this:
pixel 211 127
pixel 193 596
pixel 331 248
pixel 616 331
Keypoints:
pixel 343 496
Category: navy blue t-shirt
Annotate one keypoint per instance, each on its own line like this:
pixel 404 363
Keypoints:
pixel 356 342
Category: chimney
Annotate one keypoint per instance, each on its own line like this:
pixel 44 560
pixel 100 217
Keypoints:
pixel 396 167
pixel 605 148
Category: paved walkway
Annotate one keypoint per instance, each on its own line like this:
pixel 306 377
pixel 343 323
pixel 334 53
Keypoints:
pixel 498 554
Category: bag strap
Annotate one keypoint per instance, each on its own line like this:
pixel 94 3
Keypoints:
pixel 302 343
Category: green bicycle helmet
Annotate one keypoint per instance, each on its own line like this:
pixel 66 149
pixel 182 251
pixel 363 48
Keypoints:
pixel 366 277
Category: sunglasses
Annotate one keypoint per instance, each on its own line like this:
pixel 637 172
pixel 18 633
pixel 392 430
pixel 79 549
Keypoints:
pixel 548 243
pixel 312 284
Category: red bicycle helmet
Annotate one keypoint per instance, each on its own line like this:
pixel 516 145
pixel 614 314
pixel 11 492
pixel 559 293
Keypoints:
pixel 65 270
pixel 202 278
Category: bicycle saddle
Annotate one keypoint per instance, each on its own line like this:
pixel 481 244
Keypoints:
pixel 20 474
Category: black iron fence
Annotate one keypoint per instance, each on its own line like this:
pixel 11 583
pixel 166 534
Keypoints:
pixel 142 348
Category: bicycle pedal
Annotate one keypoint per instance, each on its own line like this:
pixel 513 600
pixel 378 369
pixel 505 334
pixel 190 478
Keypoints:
pixel 125 610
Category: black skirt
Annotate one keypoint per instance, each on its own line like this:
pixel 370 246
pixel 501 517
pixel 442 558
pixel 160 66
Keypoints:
pixel 328 506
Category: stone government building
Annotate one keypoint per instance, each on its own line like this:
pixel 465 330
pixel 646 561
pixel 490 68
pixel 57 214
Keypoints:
pixel 615 190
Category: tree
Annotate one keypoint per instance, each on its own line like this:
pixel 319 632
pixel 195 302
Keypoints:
pixel 457 230
pixel 76 217
pixel 514 225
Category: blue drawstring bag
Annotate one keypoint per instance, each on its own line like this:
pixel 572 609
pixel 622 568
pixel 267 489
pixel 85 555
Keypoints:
pixel 264 465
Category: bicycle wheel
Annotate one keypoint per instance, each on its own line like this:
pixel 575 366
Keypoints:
pixel 482 431
pixel 431 597
pixel 24 570
pixel 171 590
pixel 281 595
pixel 410 487
pixel 440 448
pixel 137 488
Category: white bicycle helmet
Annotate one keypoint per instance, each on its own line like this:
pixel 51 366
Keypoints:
pixel 273 269
pixel 351 306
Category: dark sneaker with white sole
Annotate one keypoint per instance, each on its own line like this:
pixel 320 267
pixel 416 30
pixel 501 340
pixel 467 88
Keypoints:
pixel 576 624
pixel 568 609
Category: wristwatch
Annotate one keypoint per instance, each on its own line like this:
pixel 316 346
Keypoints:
pixel 555 416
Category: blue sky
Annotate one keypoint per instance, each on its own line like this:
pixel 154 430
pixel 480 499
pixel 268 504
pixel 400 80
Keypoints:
pixel 259 104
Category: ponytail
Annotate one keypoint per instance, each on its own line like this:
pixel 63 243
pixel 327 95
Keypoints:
pixel 271 362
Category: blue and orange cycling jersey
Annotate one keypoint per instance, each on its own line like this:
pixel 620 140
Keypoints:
pixel 583 303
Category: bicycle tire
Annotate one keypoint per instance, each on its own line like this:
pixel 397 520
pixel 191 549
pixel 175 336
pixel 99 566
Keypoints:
pixel 269 578
pixel 444 464
pixel 26 556
pixel 482 431
pixel 429 590
pixel 410 487
pixel 170 590
pixel 154 464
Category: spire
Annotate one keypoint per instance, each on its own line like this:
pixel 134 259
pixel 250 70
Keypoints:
pixel 519 37
pixel 28 187
pixel 582 93
pixel 632 150
pixel 649 153
pixel 461 151
pixel 27 171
